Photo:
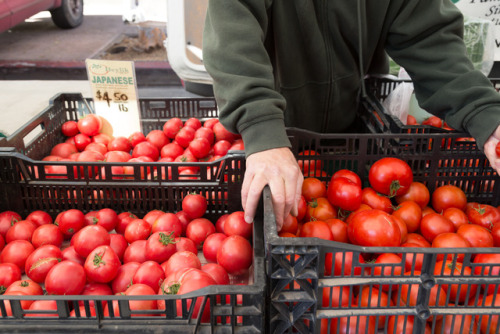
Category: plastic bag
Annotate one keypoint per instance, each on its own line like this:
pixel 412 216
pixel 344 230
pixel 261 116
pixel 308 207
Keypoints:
pixel 398 101
pixel 479 39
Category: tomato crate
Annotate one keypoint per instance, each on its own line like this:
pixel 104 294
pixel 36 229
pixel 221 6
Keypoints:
pixel 379 88
pixel 314 284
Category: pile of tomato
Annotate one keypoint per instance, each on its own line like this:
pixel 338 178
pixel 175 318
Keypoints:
pixel 88 140
pixel 394 210
pixel 104 252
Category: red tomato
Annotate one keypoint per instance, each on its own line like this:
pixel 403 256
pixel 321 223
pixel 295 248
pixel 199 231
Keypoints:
pixel 313 188
pixel 88 238
pixel 290 225
pixel 390 265
pixel 146 149
pixel 90 125
pixel 172 126
pixel 118 243
pixel 403 324
pixel 120 143
pixel 17 252
pixel 408 294
pixel 107 218
pixel 69 128
pixel 70 221
pixel 137 229
pixel 497 149
pixel 489 323
pixel 308 162
pixel 456 323
pixel 135 252
pixel 450 240
pixel 209 123
pixel 95 289
pixel 185 244
pixel 301 208
pixel 179 260
pixel 492 268
pixel 320 209
pixel 347 174
pixel 124 219
pixel 193 122
pixel 235 224
pixel 221 147
pixel 171 150
pixel 456 292
pixel 373 297
pixel 206 133
pixel 217 272
pixel 136 138
pixel 374 228
pixel 338 229
pixel 434 224
pixel 411 213
pixel 336 296
pixel 157 138
pixel 344 193
pixel 484 215
pixel 456 216
pixel 43 305
pixel 39 217
pixel 476 235
pixel 316 229
pixel 102 264
pixel 124 276
pixel 354 324
pixel 152 215
pixel 168 222
pixel 199 229
pixel 200 147
pixel 413 261
pixel 63 150
pixel 160 246
pixel 418 192
pixel 65 278
pixel 448 196
pixel 22 230
pixel 135 304
pixel 433 121
pixel 375 200
pixel 495 233
pixel 7 219
pixel 98 147
pixel 212 245
pixel 221 133
pixel 235 255
pixel 390 176
pixel 69 254
pixel 10 274
pixel 185 136
pixel 150 273
pixel 194 205
pixel 40 261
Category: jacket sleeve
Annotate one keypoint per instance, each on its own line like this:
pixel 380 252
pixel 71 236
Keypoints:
pixel 236 58
pixel 425 38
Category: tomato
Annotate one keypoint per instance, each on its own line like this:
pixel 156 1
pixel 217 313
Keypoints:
pixel 124 276
pixel 448 196
pixel 320 209
pixel 135 252
pixel 487 265
pixel 235 224
pixel 344 264
pixel 150 273
pixel 353 324
pixel 43 305
pixel 118 243
pixel 308 161
pixel 88 238
pixel 221 147
pixel 102 264
pixel 301 208
pixel 433 224
pixel 172 126
pixel 350 215
pixel 193 122
pixel 489 323
pixel 63 150
pixel 374 228
pixel 403 324
pixel 456 292
pixel 194 205
pixel 457 217
pixel 450 240
pixel 217 272
pixel 124 218
pixel 313 188
pixel 136 138
pixel 95 289
pixel 157 138
pixel 484 215
pixel 206 133
pixel 433 121
pixel 476 235
pixel 199 229
pixel 160 246
pixel 17 252
pixel 413 261
pixel 390 176
pixel 70 221
pixel 7 219
pixel 316 229
pixel 69 128
pixel 135 304
pixel 221 133
pixel 185 244
pixel 209 123
pixel 146 149
pixel 375 200
pixel 22 230
pixel 338 229
pixel 90 125
pixel 137 229
pixel 98 147
pixel 497 149
pixel 408 293
pixel 39 217
pixel 344 193
pixel 200 147
pixel 373 297
pixel 495 233
pixel 119 143
pixel 179 260
pixel 390 265
pixel 411 213
pixel 418 192
pixel 456 323
pixel 69 253
pixel 81 312
pixel 107 218
pixel 65 278
pixel 235 255
pixel 40 261
pixel 427 210
pixel 10 274
pixel 290 225
pixel 211 246
pixel 172 150
pixel 185 136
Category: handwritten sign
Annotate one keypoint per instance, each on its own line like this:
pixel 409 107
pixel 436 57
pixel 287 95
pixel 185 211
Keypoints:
pixel 114 91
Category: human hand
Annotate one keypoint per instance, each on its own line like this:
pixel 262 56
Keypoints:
pixel 278 169
pixel 489 150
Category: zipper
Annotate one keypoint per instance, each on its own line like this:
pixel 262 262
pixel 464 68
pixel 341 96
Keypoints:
pixel 329 58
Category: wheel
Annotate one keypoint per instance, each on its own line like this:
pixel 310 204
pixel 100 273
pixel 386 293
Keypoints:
pixel 69 15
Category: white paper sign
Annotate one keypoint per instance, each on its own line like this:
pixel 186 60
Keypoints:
pixel 114 91
pixel 485 9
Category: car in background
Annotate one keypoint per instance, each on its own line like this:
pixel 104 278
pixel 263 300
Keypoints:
pixel 66 14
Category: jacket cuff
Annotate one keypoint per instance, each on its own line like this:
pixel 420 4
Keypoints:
pixel 264 136
pixel 483 124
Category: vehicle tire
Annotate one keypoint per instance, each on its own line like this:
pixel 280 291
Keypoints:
pixel 69 15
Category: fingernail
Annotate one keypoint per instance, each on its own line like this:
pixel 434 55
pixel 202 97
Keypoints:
pixel 248 219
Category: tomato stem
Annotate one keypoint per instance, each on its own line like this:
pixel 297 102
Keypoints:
pixel 166 240
pixel 393 189
pixel 98 259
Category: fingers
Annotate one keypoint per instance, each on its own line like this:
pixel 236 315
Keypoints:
pixel 490 150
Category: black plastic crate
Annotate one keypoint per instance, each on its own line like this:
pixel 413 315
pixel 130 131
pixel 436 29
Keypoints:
pixel 296 271
pixel 379 89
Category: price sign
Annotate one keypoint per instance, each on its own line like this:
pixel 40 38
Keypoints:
pixel 114 91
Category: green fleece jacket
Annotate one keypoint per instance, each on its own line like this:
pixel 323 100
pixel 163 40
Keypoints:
pixel 278 63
